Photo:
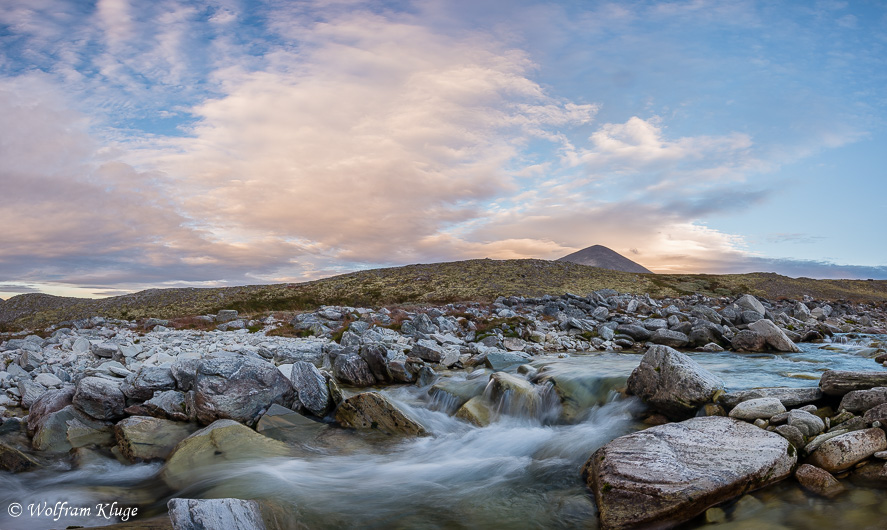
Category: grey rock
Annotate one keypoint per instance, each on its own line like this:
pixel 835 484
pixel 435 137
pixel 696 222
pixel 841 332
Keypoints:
pixel 226 315
pixel 808 424
pixel 428 350
pixel 750 303
pixel 100 398
pixel 789 397
pixel 51 401
pixel 376 357
pixel 863 400
pixel 149 379
pixel 753 409
pixel 170 404
pixel 238 388
pixel 105 349
pixel 351 369
pixel 670 338
pixel 502 360
pixel 665 475
pixel 748 341
pixel 874 414
pixel 792 434
pixel 844 451
pixel 30 391
pixel 213 514
pixel 311 388
pixel 774 336
pixel 637 333
pixel 838 383
pixel 672 383
pixel 184 371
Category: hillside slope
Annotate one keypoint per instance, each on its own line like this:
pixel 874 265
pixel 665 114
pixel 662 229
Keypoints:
pixel 476 280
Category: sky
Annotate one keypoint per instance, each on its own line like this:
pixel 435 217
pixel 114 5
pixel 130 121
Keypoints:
pixel 209 143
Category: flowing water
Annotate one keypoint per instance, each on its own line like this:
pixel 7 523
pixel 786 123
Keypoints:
pixel 522 471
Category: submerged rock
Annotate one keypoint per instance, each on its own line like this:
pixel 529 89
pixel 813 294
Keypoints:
pixel 476 411
pixel 662 476
pixel 672 383
pixel 373 411
pixel 287 425
pixel 147 438
pixel 819 481
pixel 219 444
pixel 15 461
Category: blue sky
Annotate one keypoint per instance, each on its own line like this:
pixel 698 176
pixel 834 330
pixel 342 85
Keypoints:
pixel 225 142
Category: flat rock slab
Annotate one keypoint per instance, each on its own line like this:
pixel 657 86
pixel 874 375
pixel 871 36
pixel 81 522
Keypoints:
pixel 844 451
pixel 789 397
pixel 839 382
pixel 212 514
pixel 665 475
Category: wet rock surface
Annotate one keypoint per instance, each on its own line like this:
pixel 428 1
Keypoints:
pixel 671 473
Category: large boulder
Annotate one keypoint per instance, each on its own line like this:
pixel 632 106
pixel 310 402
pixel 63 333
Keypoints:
pixel 839 382
pixel 238 388
pixel 665 475
pixel 373 411
pixel 844 451
pixel 672 382
pixel 773 336
pixel 214 447
pixel 100 398
pixel 211 514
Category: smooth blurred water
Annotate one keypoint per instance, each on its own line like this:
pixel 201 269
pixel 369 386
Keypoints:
pixel 522 471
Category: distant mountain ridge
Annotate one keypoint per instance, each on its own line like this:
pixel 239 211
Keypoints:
pixel 605 258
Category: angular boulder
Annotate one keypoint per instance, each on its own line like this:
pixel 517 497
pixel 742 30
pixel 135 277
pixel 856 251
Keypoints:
pixel 100 398
pixel 748 341
pixel 238 388
pixel 373 411
pixel 672 383
pixel 773 336
pixel 353 370
pixel 149 379
pixel 311 388
pixel 665 475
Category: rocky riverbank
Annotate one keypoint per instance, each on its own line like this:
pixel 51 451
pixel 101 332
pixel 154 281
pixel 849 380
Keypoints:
pixel 249 388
